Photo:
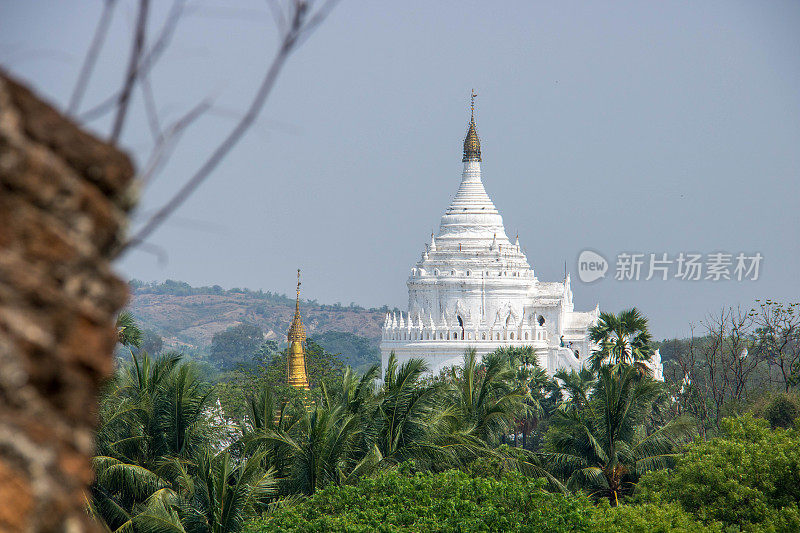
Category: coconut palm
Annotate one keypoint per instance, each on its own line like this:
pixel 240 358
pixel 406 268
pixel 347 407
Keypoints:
pixel 407 414
pixel 605 446
pixel 575 387
pixel 489 397
pixel 529 376
pixel 318 447
pixel 623 338
pixel 355 394
pixel 227 492
pixel 152 427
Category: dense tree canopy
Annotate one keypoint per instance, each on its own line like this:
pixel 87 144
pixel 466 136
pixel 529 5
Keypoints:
pixel 236 344
pixel 749 477
pixel 455 501
pixel 178 452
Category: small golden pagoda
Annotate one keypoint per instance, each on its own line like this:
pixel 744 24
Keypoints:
pixel 296 359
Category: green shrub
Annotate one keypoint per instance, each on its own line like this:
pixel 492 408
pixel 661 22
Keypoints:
pixel 455 501
pixel 782 411
pixel 450 501
pixel 749 478
pixel 648 518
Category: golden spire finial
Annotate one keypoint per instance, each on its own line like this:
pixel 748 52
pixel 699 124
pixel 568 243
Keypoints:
pixel 296 358
pixel 472 104
pixel 472 145
pixel 297 302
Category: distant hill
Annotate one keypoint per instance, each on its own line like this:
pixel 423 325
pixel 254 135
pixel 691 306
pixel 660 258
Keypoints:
pixel 188 317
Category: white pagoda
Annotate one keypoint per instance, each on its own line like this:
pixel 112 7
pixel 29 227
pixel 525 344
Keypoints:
pixel 474 288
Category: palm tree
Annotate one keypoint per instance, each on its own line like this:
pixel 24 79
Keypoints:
pixel 355 394
pixel 623 338
pixel 407 415
pixel 227 492
pixel 488 397
pixel 575 387
pixel 530 376
pixel 128 332
pixel 317 448
pixel 152 427
pixel 603 444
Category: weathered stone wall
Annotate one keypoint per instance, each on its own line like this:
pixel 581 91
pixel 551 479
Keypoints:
pixel 62 208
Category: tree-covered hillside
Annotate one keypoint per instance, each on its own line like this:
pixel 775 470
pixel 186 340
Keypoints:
pixel 188 317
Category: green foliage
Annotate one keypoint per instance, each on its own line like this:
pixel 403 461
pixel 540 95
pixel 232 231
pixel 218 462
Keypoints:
pixel 181 288
pixel 399 500
pixel 486 398
pixel 672 349
pixel 449 501
pixel 320 366
pixel 748 478
pixel 778 338
pixel 782 410
pixel 623 339
pixel 236 344
pixel 152 342
pixel 648 518
pixel 128 331
pixel 606 445
pixel 267 368
pixel 157 467
pixel 354 350
pixel 380 457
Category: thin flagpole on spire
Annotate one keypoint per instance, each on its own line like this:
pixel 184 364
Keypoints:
pixel 297 301
pixel 472 103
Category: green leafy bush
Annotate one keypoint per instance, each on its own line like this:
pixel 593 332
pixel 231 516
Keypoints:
pixel 782 410
pixel 450 501
pixel 455 501
pixel 749 478
pixel 648 518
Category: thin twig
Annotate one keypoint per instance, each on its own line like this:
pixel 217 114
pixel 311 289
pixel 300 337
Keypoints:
pixel 149 59
pixel 166 142
pixel 295 31
pixel 89 61
pixel 130 76
pixel 150 107
pixel 277 14
pixel 159 252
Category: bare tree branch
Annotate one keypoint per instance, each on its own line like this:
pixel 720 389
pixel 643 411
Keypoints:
pixel 90 60
pixel 133 65
pixel 149 59
pixel 166 142
pixel 160 253
pixel 277 14
pixel 299 28
pixel 150 107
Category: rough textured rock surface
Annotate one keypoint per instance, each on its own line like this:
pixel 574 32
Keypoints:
pixel 62 209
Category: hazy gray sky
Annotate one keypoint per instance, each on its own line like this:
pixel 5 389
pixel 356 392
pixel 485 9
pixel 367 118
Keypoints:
pixel 621 126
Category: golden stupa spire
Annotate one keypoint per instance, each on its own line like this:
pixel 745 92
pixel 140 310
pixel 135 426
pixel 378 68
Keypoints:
pixel 296 358
pixel 472 145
